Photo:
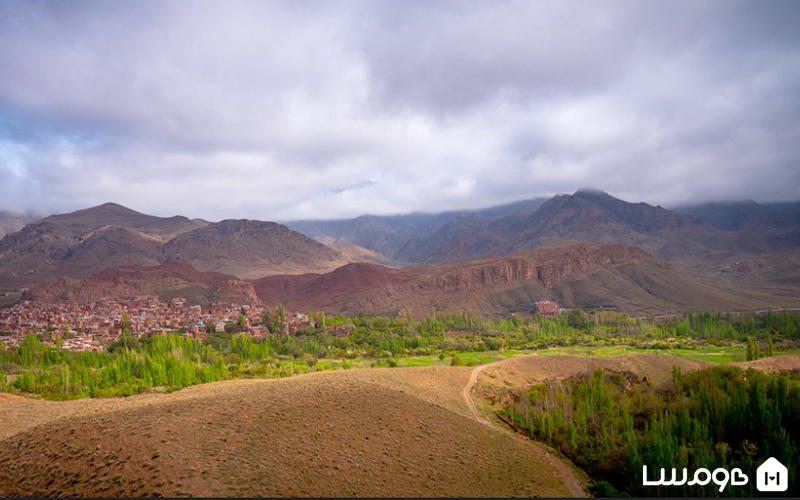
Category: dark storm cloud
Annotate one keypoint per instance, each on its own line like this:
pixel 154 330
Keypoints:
pixel 267 109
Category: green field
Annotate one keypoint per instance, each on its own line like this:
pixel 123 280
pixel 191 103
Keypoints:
pixel 469 359
pixel 710 354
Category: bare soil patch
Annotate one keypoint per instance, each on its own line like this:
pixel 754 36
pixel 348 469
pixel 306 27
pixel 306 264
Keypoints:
pixel 500 378
pixel 772 365
pixel 378 432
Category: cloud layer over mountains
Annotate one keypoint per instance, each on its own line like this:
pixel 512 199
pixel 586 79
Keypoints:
pixel 289 110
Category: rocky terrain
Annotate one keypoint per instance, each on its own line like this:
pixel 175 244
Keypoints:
pixel 11 222
pixel 574 274
pixel 164 280
pixel 588 216
pixel 494 261
pixel 86 242
pixel 251 249
pixel 389 235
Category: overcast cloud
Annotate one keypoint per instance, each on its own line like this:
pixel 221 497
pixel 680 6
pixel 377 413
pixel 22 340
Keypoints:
pixel 301 109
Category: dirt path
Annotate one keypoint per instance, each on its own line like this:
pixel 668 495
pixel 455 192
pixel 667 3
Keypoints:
pixel 572 483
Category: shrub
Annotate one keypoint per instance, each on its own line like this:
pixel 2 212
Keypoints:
pixel 456 361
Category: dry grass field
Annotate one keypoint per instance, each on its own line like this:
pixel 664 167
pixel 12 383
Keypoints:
pixel 771 365
pixel 369 432
pixel 504 376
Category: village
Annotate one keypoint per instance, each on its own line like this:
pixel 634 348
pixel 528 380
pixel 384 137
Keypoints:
pixel 92 326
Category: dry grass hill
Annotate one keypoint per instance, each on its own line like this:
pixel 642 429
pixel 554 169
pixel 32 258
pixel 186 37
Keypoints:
pixel 372 432
pixel 369 432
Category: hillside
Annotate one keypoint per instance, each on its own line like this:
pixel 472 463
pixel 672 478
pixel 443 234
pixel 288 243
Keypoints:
pixel 371 432
pixel 85 242
pixel 251 249
pixel 498 380
pixel 407 432
pixel 165 280
pixel 390 235
pixel 11 222
pixel 385 235
pixel 736 215
pixel 574 274
pixel 588 216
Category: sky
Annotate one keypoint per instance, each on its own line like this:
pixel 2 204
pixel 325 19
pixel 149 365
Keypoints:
pixel 298 109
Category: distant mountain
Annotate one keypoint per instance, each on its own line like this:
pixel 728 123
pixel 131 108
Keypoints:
pixel 738 215
pixel 463 238
pixel 574 274
pixel 11 222
pixel 787 206
pixel 83 243
pixel 588 216
pixel 381 234
pixel 251 249
pixel 389 235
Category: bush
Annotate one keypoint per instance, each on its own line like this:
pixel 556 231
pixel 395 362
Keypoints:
pixel 456 361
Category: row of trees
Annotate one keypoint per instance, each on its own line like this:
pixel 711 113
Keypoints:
pixel 133 366
pixel 611 426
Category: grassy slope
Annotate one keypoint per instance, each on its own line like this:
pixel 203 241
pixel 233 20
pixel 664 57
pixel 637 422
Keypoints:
pixel 362 432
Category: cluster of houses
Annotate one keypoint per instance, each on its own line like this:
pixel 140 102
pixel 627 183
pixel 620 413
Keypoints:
pixel 92 325
pixel 547 309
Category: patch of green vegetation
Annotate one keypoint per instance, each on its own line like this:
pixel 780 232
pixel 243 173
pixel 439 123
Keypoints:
pixel 710 354
pixel 135 365
pixel 611 424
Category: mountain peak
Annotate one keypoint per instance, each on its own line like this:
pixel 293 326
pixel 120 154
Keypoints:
pixel 590 191
pixel 100 211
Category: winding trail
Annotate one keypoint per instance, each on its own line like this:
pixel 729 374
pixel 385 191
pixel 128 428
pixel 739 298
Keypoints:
pixel 572 483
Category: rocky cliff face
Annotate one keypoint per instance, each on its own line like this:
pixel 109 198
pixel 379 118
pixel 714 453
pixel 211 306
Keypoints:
pixel 472 285
pixel 166 280
pixel 237 292
pixel 549 266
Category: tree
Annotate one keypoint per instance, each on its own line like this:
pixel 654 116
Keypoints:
pixel 770 348
pixel 271 319
pixel 753 351
pixel 242 323
pixel 282 311
pixel 211 327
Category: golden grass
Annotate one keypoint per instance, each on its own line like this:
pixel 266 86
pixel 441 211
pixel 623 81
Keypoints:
pixel 364 433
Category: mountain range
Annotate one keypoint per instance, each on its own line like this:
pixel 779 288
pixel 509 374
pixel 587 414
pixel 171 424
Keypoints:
pixel 587 249
pixel 83 243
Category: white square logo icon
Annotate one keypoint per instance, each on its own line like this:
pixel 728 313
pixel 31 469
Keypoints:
pixel 772 476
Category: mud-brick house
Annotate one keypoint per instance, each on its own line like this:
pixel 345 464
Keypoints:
pixel 547 309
